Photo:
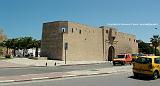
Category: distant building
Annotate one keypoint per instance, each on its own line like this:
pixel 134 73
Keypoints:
pixel 27 52
pixel 77 42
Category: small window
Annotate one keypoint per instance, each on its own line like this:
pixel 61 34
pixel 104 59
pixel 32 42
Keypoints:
pixel 129 39
pixel 106 31
pixel 72 30
pixel 63 29
pixel 79 31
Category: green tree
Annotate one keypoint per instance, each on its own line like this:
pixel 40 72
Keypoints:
pixel 155 42
pixel 22 43
pixel 1 47
pixel 25 43
pixel 15 46
pixel 145 47
pixel 7 44
pixel 10 44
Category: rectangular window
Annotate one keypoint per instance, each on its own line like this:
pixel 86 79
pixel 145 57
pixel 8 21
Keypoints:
pixel 143 60
pixel 121 56
pixel 72 30
pixel 157 60
pixel 106 31
pixel 79 31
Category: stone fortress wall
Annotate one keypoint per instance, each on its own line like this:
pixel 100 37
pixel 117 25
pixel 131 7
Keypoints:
pixel 65 40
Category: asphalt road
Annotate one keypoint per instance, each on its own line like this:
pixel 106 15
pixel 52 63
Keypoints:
pixel 38 70
pixel 117 79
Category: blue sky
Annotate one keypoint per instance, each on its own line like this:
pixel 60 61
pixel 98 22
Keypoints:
pixel 25 17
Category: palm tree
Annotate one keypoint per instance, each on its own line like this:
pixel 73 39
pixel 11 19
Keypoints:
pixel 155 42
pixel 36 44
pixel 15 46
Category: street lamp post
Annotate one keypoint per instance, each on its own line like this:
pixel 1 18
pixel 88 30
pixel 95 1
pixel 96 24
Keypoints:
pixel 65 48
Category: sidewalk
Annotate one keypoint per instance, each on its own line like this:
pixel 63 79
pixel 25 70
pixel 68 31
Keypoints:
pixel 5 64
pixel 25 62
pixel 55 75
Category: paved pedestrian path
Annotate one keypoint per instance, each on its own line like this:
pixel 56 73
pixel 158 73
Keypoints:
pixel 31 62
pixel 30 77
pixel 5 64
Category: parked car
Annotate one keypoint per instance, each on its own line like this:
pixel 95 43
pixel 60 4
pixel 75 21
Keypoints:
pixel 147 65
pixel 122 59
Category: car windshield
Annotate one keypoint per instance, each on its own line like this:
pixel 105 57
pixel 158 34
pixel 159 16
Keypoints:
pixel 143 60
pixel 120 56
pixel 137 54
pixel 134 54
pixel 140 55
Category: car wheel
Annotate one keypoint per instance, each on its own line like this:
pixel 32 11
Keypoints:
pixel 123 63
pixel 136 75
pixel 155 75
pixel 130 63
pixel 114 63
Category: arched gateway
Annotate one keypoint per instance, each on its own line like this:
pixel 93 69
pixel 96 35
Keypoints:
pixel 111 53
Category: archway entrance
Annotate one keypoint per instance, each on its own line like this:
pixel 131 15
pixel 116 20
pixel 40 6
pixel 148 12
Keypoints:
pixel 111 53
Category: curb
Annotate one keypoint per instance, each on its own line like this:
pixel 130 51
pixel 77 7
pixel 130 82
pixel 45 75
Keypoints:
pixel 21 67
pixel 80 64
pixel 47 78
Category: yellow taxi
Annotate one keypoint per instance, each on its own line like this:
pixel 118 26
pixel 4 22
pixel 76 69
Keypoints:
pixel 147 65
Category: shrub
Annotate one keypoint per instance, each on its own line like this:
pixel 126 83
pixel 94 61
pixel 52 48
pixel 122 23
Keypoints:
pixel 34 58
pixel 8 56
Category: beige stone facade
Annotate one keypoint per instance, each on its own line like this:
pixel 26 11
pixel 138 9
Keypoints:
pixel 63 40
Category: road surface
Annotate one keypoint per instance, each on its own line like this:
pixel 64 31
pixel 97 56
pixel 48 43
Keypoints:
pixel 116 79
pixel 39 70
